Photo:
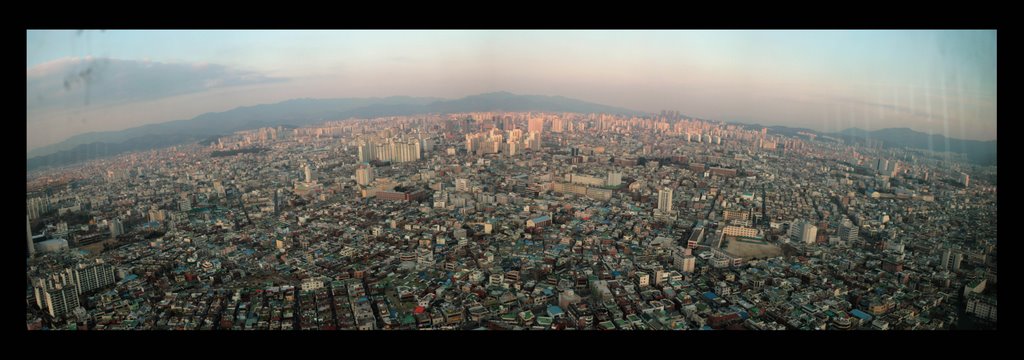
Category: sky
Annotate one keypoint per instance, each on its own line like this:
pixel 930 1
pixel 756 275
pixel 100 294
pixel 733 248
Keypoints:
pixel 941 82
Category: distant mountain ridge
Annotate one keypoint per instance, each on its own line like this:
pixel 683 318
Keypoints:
pixel 981 152
pixel 296 112
pixel 289 112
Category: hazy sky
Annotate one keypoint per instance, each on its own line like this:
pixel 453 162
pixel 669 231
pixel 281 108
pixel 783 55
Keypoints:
pixel 933 81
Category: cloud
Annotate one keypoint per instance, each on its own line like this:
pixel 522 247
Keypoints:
pixel 891 107
pixel 85 82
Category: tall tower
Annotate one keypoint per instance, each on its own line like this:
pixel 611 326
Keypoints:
pixel 309 174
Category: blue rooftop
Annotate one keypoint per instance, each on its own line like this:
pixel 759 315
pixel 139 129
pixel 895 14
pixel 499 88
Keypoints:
pixel 710 295
pixel 860 314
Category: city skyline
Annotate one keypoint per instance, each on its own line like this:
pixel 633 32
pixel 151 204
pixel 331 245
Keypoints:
pixel 511 180
pixel 939 82
pixel 522 220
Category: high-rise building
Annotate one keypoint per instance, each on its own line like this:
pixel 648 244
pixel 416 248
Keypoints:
pixel 91 277
pixel 809 233
pixel 893 169
pixel 37 207
pixel 614 178
pixel 849 233
pixel 882 165
pixel 462 185
pixel 557 125
pixel 116 228
pixel 957 259
pixel 795 231
pixel 277 202
pixel 533 141
pixel 945 258
pixel 156 215
pixel 965 179
pixel 364 153
pixel 393 150
pixel 510 124
pixel 424 258
pixel 684 262
pixel 61 300
pixel 31 246
pixel 364 175
pixel 184 204
pixel 665 200
pixel 802 232
pixel 536 125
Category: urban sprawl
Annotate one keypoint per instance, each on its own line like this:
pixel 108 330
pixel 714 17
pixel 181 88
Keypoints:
pixel 532 221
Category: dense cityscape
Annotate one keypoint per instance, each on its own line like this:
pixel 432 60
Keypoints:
pixel 515 221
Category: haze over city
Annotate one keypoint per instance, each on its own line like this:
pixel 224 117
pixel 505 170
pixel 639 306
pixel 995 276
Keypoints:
pixel 511 180
pixel 941 82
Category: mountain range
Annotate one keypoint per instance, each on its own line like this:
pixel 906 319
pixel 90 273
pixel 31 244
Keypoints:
pixel 979 152
pixel 300 112
pixel 976 151
pixel 296 112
